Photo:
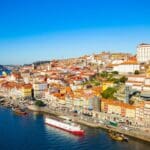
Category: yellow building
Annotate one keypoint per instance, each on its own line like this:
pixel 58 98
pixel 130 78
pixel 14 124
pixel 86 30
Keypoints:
pixel 148 72
pixel 26 90
pixel 63 91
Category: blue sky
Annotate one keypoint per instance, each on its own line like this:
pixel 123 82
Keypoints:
pixel 33 30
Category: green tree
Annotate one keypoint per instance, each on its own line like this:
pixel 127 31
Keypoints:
pixel 115 72
pixel 109 93
pixel 131 102
pixel 97 83
pixel 123 79
pixel 136 72
pixel 104 74
pixel 116 81
pixel 39 103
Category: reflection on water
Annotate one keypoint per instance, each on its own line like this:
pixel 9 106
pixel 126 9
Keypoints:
pixel 36 115
pixel 31 133
pixel 55 131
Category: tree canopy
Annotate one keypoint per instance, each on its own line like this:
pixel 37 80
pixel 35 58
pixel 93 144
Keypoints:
pixel 136 72
pixel 123 79
pixel 39 103
pixel 104 74
pixel 109 93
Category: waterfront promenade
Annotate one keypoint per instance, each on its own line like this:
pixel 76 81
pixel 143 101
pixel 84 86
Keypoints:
pixel 94 122
pixel 91 122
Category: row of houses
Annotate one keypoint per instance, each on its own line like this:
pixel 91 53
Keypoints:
pixel 61 83
pixel 139 113
pixel 16 90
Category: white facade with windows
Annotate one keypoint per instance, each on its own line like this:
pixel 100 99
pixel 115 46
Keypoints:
pixel 143 53
pixel 126 68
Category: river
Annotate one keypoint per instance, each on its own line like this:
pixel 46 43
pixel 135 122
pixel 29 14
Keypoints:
pixel 30 133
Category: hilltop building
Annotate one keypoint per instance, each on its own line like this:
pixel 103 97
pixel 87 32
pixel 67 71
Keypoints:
pixel 143 53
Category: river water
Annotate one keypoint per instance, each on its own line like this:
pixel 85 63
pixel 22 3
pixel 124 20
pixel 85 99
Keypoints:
pixel 30 133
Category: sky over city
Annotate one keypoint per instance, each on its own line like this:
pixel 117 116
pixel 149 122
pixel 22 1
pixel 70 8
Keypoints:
pixel 32 30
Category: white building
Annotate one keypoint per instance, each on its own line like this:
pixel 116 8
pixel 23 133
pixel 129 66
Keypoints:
pixel 126 67
pixel 139 82
pixel 136 78
pixel 40 86
pixel 147 81
pixel 143 53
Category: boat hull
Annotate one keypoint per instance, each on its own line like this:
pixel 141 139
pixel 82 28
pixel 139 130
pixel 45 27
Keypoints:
pixel 75 132
pixel 19 112
pixel 118 137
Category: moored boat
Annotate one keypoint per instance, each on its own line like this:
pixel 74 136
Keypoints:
pixel 117 136
pixel 64 125
pixel 19 111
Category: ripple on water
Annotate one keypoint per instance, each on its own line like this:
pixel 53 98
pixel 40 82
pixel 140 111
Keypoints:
pixel 30 133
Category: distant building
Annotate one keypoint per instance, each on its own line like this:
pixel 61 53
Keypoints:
pixel 143 53
pixel 126 67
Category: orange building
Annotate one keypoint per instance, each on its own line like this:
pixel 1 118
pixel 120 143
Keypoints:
pixel 119 108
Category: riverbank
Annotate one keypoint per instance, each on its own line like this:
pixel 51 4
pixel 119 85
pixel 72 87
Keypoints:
pixel 32 133
pixel 131 133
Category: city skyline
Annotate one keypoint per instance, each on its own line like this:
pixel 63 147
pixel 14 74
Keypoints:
pixel 44 30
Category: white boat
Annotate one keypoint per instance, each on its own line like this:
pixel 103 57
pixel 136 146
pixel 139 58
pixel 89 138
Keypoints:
pixel 64 125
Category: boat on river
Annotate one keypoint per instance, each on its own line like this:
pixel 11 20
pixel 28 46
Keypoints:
pixel 19 111
pixel 65 125
pixel 117 136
